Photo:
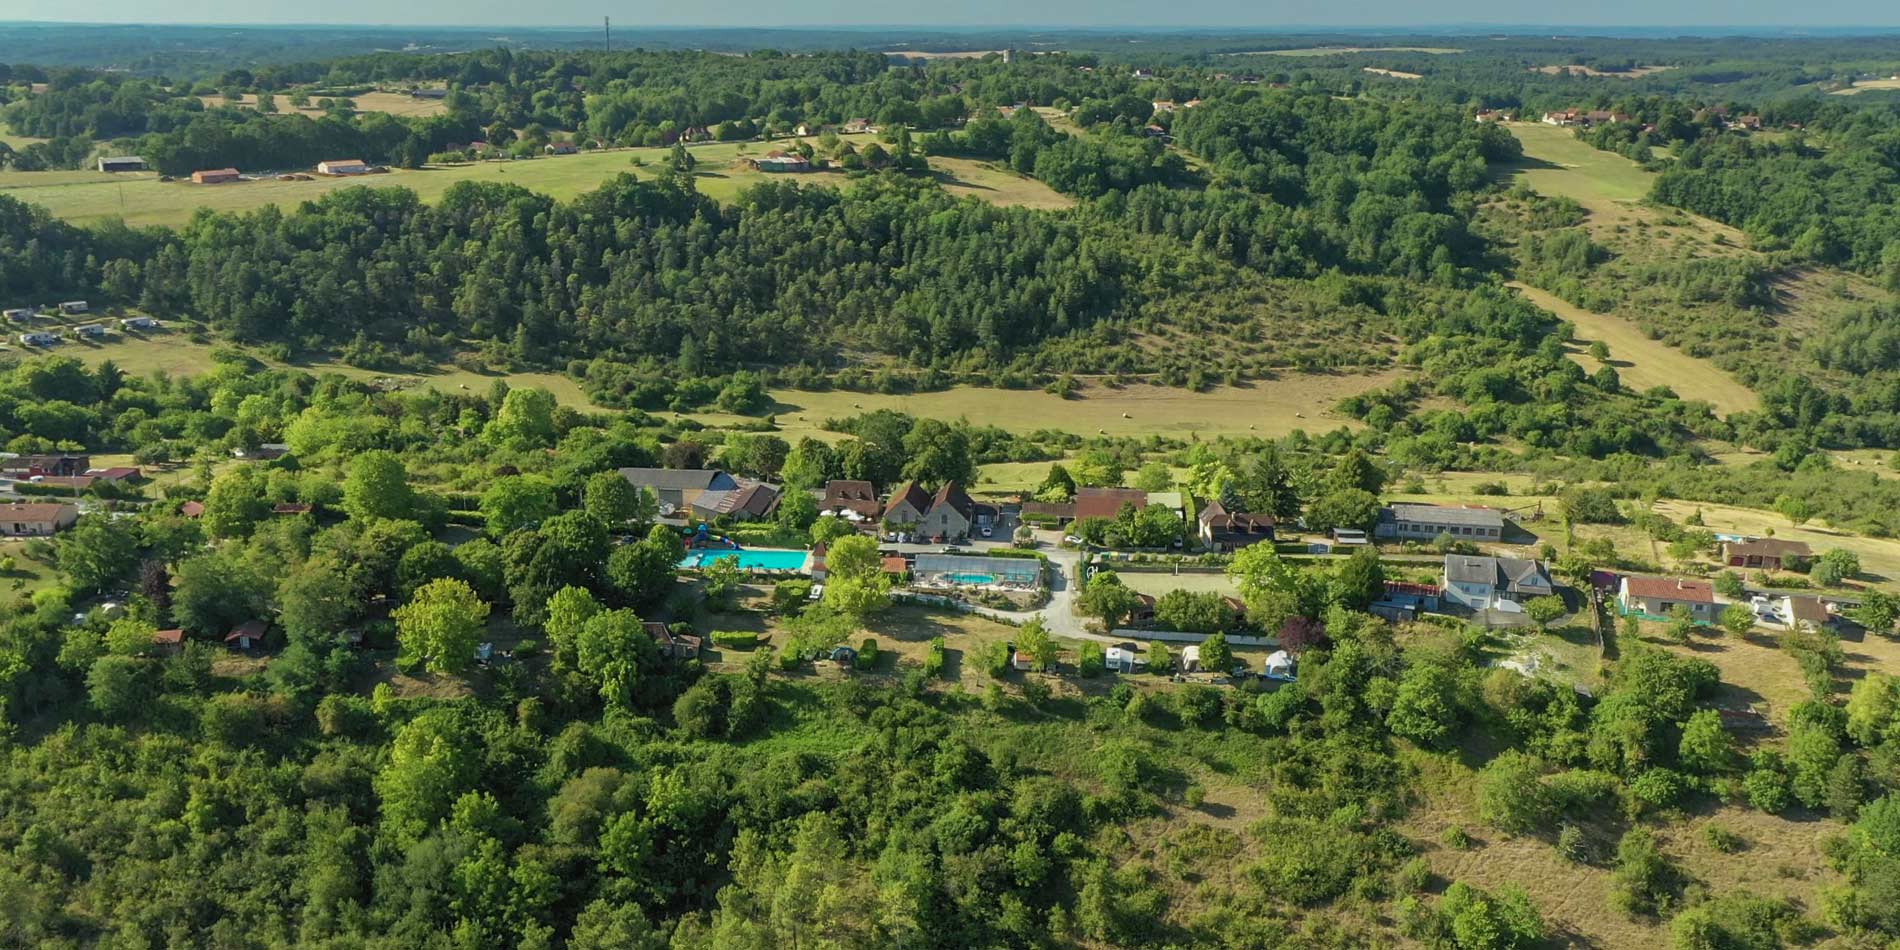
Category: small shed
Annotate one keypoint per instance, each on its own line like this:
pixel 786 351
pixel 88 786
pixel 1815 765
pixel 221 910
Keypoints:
pixel 247 635
pixel 214 176
pixel 1123 659
pixel 168 642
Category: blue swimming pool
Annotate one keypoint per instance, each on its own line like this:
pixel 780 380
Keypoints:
pixel 751 559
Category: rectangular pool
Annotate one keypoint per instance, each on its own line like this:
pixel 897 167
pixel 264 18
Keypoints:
pixel 751 559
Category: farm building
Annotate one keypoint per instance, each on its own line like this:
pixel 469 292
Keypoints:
pixel 972 570
pixel 37 520
pixel 74 306
pixel 214 176
pixel 122 163
pixel 1426 522
pixel 117 473
pixel 346 166
pixel 781 162
pixel 1769 554
pixel 561 148
pixel 27 466
pixel 748 500
pixel 1107 502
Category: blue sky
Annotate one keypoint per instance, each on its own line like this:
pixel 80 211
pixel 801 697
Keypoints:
pixel 1256 14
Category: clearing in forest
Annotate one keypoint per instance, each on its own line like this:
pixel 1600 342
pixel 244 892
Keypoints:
pixel 1336 50
pixel 1265 408
pixel 1643 363
pixel 1394 73
pixel 1558 164
pixel 1868 85
pixel 395 103
pixel 996 184
pixel 141 199
pixel 1637 72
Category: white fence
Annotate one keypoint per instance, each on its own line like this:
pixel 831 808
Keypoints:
pixel 1177 636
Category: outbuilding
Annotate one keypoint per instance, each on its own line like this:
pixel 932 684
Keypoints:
pixel 122 163
pixel 214 176
pixel 346 166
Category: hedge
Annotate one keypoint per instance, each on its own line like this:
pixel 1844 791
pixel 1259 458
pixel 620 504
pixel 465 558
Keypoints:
pixel 735 639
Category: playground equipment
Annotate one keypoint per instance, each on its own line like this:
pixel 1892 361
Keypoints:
pixel 702 537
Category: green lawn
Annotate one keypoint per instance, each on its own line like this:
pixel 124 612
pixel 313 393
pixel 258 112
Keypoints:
pixel 1641 362
pixel 1266 408
pixel 1336 50
pixel 1557 163
pixel 141 199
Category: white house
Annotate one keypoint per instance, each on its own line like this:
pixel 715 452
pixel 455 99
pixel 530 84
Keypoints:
pixel 1486 583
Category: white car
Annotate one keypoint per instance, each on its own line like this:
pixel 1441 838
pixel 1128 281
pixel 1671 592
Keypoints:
pixel 1071 539
pixel 987 531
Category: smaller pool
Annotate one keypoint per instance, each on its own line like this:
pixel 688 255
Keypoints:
pixel 751 559
pixel 971 580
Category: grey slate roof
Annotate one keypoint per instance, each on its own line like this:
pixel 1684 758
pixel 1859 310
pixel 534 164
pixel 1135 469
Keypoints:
pixel 678 479
pixel 1443 514
pixel 1502 573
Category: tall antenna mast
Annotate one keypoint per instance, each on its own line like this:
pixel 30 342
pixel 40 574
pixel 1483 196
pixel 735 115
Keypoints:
pixel 607 32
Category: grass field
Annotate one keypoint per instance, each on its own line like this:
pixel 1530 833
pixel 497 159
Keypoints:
pixel 1637 73
pixel 1879 557
pixel 1267 408
pixel 27 575
pixel 178 354
pixel 1868 85
pixel 1336 50
pixel 394 103
pixel 1394 73
pixel 965 177
pixel 1155 585
pixel 1557 163
pixel 141 199
pixel 1642 362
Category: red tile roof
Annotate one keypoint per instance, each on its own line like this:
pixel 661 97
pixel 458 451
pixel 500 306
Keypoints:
pixel 192 509
pixel 1670 588
pixel 253 629
pixel 1106 502
pixel 168 637
pixel 895 564
pixel 1767 547
pixel 910 493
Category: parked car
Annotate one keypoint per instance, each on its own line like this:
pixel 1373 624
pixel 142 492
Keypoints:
pixel 1071 539
pixel 987 531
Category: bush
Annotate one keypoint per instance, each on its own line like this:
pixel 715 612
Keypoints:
pixel 734 639
pixel 867 655
pixel 790 597
pixel 1091 659
pixel 1722 839
pixel 934 658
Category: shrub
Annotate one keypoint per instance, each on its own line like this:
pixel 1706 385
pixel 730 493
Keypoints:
pixel 934 658
pixel 1091 659
pixel 867 655
pixel 1571 844
pixel 1722 839
pixel 790 597
pixel 1511 793
pixel 734 639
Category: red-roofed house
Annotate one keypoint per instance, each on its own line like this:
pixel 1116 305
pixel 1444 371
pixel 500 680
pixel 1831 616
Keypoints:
pixel 1654 597
pixel 907 505
pixel 1225 530
pixel 842 494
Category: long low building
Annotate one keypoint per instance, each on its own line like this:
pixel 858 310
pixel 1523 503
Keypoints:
pixel 1405 522
pixel 974 570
